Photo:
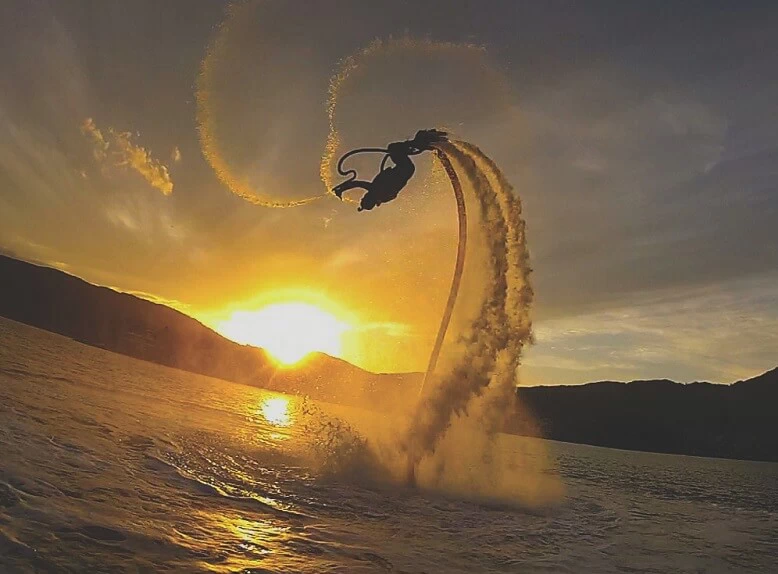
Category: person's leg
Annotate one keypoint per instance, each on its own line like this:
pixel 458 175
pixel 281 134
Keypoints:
pixel 351 184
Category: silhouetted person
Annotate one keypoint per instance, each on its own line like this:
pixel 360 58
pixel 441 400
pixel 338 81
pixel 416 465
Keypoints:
pixel 390 180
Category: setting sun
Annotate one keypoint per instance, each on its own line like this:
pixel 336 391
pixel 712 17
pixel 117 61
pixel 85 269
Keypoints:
pixel 288 331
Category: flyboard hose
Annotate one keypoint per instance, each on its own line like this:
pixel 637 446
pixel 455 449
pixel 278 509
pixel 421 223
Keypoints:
pixel 458 267
pixel 439 147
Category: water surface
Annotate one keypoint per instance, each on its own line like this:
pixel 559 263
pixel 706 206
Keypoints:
pixel 109 464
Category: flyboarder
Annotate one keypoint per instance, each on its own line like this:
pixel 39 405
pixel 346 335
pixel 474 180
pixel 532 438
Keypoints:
pixel 390 180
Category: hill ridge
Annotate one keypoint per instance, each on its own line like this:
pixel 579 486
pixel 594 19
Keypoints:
pixel 735 420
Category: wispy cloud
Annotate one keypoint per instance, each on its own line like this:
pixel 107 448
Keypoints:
pixel 388 328
pixel 146 219
pixel 723 333
pixel 346 256
pixel 172 303
pixel 118 147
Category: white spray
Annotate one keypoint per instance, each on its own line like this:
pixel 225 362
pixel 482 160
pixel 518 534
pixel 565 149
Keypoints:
pixel 488 350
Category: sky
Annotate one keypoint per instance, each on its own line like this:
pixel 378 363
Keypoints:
pixel 642 139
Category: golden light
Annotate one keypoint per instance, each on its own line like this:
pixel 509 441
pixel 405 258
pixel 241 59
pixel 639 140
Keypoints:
pixel 288 331
pixel 276 411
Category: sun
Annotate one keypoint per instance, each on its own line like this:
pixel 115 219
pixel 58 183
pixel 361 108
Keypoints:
pixel 287 331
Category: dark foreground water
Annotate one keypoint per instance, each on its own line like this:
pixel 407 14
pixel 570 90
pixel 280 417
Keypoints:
pixel 108 464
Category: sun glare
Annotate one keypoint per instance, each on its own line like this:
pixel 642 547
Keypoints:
pixel 276 411
pixel 288 331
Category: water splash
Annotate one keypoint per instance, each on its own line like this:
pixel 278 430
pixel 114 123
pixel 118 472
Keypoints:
pixel 488 349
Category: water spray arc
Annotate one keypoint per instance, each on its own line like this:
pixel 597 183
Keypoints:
pixel 478 381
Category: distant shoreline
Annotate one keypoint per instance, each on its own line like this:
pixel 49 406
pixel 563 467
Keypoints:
pixel 730 421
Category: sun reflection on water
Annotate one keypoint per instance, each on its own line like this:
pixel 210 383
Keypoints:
pixel 276 412
pixel 254 541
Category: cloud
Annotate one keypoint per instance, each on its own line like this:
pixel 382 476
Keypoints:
pixel 722 332
pixel 172 303
pixel 145 218
pixel 99 144
pixel 388 328
pixel 121 218
pixel 347 256
pixel 124 153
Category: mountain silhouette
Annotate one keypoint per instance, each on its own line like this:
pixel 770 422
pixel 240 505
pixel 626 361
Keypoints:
pixel 61 303
pixel 731 421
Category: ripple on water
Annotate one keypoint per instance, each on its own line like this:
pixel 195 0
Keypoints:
pixel 102 533
pixel 8 495
pixel 189 491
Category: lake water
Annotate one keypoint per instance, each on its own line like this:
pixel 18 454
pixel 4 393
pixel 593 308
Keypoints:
pixel 108 464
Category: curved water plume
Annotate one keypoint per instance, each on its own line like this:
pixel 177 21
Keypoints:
pixel 488 349
pixel 223 49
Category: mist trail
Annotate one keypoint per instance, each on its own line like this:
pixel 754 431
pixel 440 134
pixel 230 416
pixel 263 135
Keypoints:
pixel 487 350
